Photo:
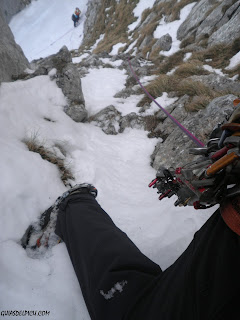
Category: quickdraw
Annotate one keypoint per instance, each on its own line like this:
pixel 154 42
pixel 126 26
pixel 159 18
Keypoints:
pixel 210 179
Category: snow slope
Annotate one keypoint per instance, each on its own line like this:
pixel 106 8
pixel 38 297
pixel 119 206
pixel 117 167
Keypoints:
pixel 45 26
pixel 117 165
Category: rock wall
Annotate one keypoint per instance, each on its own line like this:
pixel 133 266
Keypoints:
pixel 217 20
pixel 214 20
pixel 10 7
pixel 91 15
pixel 12 59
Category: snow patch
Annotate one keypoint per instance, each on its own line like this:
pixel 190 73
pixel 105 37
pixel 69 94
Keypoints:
pixel 171 28
pixel 234 61
pixel 107 82
pixel 138 10
pixel 131 46
pixel 52 72
pixel 116 47
pixel 115 63
pixel 187 56
pixel 164 102
pixel 211 69
pixel 101 37
pixel 80 58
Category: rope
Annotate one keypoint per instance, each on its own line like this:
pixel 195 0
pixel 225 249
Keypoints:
pixel 54 41
pixel 188 133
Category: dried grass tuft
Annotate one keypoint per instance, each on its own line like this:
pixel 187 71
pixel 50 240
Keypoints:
pixel 33 144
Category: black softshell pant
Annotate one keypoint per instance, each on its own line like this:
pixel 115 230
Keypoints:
pixel 119 282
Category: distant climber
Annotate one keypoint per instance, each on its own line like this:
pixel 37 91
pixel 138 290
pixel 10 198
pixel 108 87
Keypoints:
pixel 76 17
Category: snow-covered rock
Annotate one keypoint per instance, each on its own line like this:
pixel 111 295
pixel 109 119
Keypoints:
pixel 68 79
pixel 131 120
pixel 108 120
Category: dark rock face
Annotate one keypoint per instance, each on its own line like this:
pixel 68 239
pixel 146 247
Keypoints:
pixel 77 112
pixel 12 59
pixel 11 7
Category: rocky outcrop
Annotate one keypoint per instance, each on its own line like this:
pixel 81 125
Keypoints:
pixel 10 7
pixel 228 32
pixel 216 20
pixel 164 43
pixel 70 83
pixel 219 83
pixel 146 42
pixel 195 18
pixel 174 151
pixel 58 61
pixel 108 120
pixel 148 20
pixel 12 59
pixel 131 120
pixel 67 78
pixel 111 121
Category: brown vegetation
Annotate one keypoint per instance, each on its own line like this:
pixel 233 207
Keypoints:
pixel 188 69
pixel 114 23
pixel 35 146
pixel 171 62
pixel 218 55
pixel 197 103
pixel 150 124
